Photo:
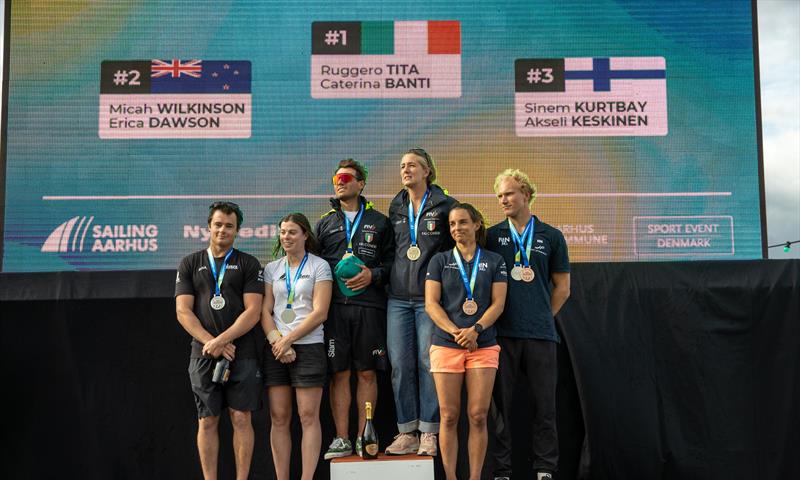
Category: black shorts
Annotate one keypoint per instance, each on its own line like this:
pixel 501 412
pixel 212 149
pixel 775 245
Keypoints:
pixel 355 337
pixel 308 369
pixel 242 392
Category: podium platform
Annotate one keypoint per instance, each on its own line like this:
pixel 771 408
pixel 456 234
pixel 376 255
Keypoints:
pixel 385 467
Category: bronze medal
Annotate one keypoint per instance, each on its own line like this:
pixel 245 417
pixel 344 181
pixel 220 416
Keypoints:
pixel 470 307
pixel 527 274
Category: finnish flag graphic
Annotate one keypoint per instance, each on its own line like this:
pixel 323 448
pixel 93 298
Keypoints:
pixel 591 96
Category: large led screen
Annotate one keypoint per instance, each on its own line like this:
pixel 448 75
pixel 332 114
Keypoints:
pixel 636 119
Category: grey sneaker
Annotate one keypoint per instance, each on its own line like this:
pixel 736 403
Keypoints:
pixel 544 476
pixel 358 446
pixel 502 478
pixel 403 444
pixel 428 445
pixel 340 447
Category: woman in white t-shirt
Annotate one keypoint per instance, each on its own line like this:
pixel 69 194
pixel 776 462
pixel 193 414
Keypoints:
pixel 297 295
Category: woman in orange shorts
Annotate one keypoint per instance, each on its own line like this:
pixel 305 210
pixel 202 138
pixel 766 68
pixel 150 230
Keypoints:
pixel 465 292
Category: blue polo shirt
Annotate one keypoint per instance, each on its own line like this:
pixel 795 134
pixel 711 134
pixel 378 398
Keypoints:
pixel 528 313
pixel 444 269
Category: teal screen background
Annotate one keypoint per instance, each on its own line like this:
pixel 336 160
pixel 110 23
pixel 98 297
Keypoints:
pixel 53 151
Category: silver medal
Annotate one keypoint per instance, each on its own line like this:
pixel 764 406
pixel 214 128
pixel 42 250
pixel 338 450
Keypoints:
pixel 288 316
pixel 217 302
pixel 516 273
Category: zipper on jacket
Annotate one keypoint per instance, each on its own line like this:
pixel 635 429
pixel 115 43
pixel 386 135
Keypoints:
pixel 419 238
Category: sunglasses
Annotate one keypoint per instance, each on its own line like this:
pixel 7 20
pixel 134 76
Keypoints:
pixel 343 178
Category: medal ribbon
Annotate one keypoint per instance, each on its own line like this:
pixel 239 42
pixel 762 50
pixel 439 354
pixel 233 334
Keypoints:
pixel 218 276
pixel 469 285
pixel 413 222
pixel 519 240
pixel 350 229
pixel 292 285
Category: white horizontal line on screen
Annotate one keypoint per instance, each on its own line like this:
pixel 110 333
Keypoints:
pixel 310 197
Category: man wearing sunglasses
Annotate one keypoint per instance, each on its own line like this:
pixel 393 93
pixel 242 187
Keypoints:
pixel 218 293
pixel 358 243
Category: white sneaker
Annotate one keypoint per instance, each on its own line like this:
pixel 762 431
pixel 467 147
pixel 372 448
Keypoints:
pixel 403 444
pixel 428 445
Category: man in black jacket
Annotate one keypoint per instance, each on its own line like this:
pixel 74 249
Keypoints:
pixel 358 243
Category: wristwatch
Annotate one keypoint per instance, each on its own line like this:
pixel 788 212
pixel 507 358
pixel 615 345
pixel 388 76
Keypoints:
pixel 478 328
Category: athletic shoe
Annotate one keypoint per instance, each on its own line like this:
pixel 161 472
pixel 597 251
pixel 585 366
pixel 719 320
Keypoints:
pixel 340 447
pixel 502 478
pixel 427 445
pixel 359 451
pixel 403 444
pixel 544 476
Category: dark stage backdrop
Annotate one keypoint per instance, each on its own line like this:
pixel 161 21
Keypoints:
pixel 685 371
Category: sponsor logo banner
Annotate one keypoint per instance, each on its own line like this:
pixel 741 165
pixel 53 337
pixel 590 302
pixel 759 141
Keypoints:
pixel 82 234
pixel 175 99
pixel 203 234
pixel 680 236
pixel 416 59
pixel 615 96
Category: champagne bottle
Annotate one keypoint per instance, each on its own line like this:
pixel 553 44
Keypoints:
pixel 369 449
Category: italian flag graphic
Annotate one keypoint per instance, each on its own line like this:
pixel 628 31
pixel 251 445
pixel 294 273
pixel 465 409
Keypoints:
pixel 386 59
pixel 386 38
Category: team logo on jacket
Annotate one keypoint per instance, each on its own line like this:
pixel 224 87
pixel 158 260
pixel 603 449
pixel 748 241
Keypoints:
pixel 430 225
pixel 368 236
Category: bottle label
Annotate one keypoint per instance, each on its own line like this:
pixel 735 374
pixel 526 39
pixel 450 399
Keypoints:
pixel 371 449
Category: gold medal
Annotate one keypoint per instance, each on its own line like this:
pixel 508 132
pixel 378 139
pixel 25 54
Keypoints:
pixel 347 254
pixel 516 273
pixel 470 307
pixel 413 253
pixel 288 316
pixel 217 302
pixel 527 274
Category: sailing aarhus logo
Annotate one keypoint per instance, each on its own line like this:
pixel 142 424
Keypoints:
pixel 72 235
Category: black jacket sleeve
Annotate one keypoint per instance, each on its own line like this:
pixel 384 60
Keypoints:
pixel 380 273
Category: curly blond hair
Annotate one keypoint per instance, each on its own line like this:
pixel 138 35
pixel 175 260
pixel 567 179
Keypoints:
pixel 524 182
